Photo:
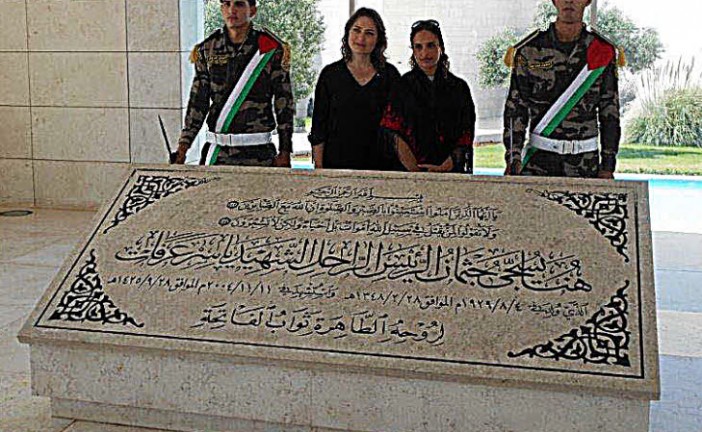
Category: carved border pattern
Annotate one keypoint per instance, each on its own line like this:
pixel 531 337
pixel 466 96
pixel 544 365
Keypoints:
pixel 87 301
pixel 607 212
pixel 603 339
pixel 149 189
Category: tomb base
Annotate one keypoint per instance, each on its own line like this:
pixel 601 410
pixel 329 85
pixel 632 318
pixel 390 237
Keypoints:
pixel 194 392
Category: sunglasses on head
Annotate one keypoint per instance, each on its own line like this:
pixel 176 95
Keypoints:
pixel 428 23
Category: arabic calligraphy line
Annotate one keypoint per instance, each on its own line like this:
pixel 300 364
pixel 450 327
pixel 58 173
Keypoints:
pixel 492 268
pixel 567 310
pixel 357 209
pixel 363 227
pixel 306 321
pixel 367 193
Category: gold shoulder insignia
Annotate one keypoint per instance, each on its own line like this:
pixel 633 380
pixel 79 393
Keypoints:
pixel 286 57
pixel 194 55
pixel 621 57
pixel 509 57
pixel 512 51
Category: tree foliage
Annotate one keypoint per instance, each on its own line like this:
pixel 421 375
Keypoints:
pixel 642 46
pixel 493 72
pixel 297 22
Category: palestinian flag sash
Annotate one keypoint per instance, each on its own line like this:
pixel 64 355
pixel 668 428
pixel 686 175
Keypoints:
pixel 266 50
pixel 599 55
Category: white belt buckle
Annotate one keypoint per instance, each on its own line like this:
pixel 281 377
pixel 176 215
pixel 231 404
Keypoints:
pixel 569 147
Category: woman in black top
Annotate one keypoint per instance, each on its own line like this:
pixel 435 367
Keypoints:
pixel 350 97
pixel 431 113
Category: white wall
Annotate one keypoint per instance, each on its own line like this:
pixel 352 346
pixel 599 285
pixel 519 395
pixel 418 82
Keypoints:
pixel 81 86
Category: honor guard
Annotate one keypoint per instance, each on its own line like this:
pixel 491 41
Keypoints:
pixel 242 74
pixel 564 92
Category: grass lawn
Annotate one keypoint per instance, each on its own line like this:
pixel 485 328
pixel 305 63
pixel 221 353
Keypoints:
pixel 633 158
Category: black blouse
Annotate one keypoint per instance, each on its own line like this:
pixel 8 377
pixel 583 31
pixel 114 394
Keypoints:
pixel 346 117
pixel 432 117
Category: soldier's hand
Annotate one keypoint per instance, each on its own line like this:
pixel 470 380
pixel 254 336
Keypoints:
pixel 282 160
pixel 514 169
pixel 608 175
pixel 180 154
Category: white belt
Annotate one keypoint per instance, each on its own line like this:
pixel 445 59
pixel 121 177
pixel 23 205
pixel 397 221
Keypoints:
pixel 239 140
pixel 563 146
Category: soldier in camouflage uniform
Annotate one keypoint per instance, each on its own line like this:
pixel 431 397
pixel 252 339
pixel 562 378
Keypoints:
pixel 239 69
pixel 564 92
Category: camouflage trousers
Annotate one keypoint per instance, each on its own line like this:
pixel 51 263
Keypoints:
pixel 260 155
pixel 549 164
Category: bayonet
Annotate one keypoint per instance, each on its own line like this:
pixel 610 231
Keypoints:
pixel 171 155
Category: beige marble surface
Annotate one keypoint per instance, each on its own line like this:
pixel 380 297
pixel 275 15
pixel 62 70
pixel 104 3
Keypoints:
pixel 13 25
pixel 98 427
pixel 77 184
pixel 14 81
pixel 76 55
pixel 147 143
pixel 17 185
pixel 16 141
pixel 153 25
pixel 58 79
pixel 81 134
pixel 68 25
pixel 154 80
pixel 675 413
pixel 292 282
pixel 40 240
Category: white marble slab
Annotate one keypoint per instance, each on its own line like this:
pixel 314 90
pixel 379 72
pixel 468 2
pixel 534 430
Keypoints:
pixel 194 279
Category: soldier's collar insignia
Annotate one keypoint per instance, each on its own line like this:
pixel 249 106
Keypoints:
pixel 540 65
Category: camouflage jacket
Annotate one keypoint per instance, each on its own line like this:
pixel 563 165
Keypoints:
pixel 218 66
pixel 542 69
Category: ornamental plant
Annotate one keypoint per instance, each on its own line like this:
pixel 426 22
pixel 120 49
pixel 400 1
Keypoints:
pixel 668 107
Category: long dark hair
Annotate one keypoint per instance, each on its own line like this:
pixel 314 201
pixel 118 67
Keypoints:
pixel 432 26
pixel 378 55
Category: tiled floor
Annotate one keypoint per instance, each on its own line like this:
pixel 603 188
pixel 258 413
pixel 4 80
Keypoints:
pixel 32 248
